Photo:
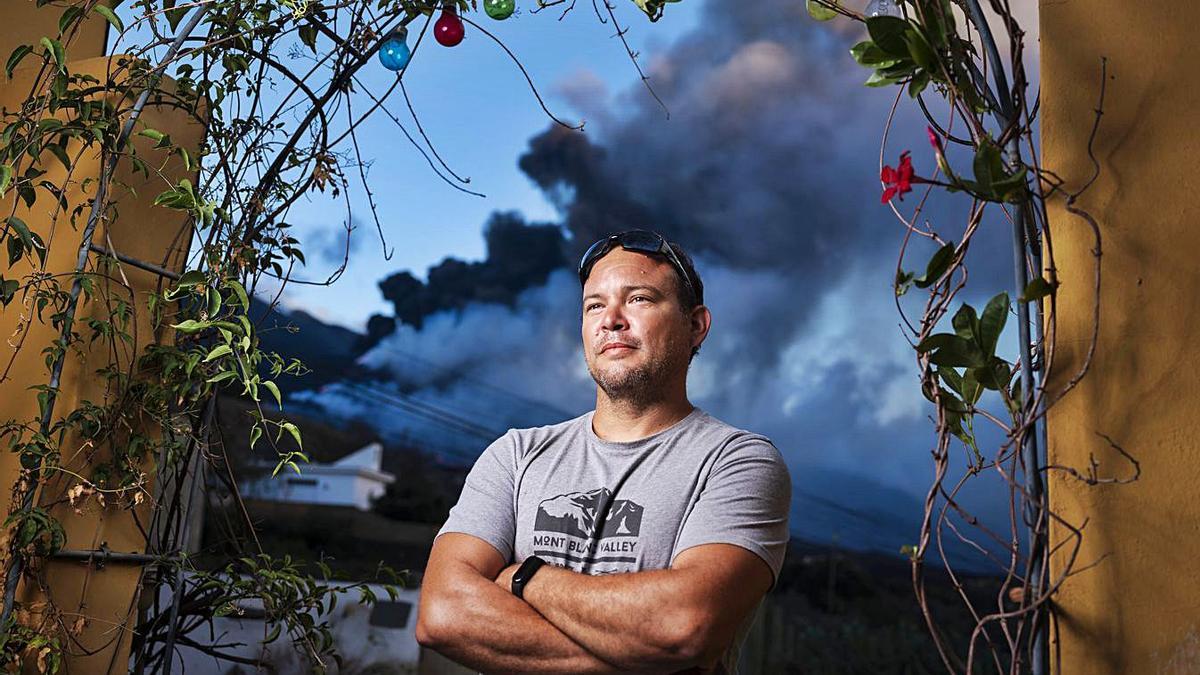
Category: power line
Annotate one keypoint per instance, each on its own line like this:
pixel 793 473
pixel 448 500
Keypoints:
pixel 424 409
pixel 482 384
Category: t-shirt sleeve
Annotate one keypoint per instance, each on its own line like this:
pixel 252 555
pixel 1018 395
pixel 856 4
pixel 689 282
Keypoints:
pixel 745 501
pixel 485 508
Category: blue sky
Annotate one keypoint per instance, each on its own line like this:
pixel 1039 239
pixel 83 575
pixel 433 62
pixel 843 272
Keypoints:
pixel 479 112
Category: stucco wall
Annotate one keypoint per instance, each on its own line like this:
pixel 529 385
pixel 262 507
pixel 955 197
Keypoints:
pixel 106 599
pixel 1138 610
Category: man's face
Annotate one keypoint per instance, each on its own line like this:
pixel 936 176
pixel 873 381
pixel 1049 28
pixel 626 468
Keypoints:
pixel 630 299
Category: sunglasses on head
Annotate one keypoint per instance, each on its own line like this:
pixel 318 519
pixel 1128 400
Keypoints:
pixel 642 241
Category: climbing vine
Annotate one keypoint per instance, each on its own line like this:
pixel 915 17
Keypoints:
pixel 943 56
pixel 273 84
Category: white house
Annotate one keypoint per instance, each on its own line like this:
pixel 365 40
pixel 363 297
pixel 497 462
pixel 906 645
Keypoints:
pixel 353 480
pixel 377 638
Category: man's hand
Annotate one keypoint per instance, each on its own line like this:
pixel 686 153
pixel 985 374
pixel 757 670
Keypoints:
pixel 682 617
pixel 504 578
pixel 464 616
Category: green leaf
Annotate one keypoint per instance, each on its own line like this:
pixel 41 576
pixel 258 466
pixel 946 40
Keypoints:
pixel 919 49
pixel 988 165
pixel 153 134
pixel 61 153
pixel 190 326
pixel 8 289
pixel 1015 401
pixel 991 324
pixel 218 352
pixel 221 377
pixel 995 375
pixel 15 250
pixel 878 79
pixel 271 386
pixel 1012 188
pixel 68 16
pixel 255 434
pixel 954 425
pixel 110 17
pixel 240 291
pixel 652 8
pixel 867 53
pixel 39 247
pixel 940 22
pixel 950 402
pixel 952 351
pixel 952 379
pixel 918 83
pixel 959 354
pixel 274 634
pixel 888 33
pixel 294 431
pixel 903 281
pixel 23 240
pixel 187 158
pixel 308 35
pixel 174 16
pixel 6 176
pixel 971 389
pixel 55 49
pixel 966 323
pixel 819 11
pixel 937 266
pixel 191 278
pixel 935 341
pixel 1036 290
pixel 14 59
pixel 214 301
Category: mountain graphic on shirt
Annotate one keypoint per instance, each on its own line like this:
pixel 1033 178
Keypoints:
pixel 577 513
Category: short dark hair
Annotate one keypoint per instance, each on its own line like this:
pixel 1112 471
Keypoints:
pixel 687 301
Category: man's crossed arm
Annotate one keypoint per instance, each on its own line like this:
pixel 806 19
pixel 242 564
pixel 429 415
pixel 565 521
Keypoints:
pixel 655 621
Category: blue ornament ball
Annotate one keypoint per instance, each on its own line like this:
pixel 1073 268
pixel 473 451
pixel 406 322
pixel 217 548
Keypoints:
pixel 394 53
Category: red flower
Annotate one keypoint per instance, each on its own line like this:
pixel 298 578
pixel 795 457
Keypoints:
pixel 934 140
pixel 898 180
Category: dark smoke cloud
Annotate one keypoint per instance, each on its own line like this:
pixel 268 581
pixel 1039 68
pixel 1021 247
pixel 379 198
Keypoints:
pixel 519 256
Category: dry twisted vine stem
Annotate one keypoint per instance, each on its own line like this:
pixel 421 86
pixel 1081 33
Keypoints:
pixel 994 117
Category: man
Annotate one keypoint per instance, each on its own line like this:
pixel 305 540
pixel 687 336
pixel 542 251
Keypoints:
pixel 638 537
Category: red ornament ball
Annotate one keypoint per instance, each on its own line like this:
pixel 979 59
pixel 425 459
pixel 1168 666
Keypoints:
pixel 449 29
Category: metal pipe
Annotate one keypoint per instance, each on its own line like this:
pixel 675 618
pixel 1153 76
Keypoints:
pixel 15 565
pixel 1031 457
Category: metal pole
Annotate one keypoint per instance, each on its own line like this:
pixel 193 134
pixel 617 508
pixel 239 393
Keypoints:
pixel 185 527
pixel 141 264
pixel 103 556
pixel 15 565
pixel 1030 455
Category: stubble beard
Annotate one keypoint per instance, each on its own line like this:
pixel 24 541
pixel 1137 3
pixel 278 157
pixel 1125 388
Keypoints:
pixel 637 385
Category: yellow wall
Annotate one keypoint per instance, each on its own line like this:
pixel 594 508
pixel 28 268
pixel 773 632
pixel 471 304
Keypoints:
pixel 100 604
pixel 1138 611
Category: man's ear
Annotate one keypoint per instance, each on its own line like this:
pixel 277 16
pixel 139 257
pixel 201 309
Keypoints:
pixel 700 321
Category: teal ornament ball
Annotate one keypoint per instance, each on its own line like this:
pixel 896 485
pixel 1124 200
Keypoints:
pixel 499 9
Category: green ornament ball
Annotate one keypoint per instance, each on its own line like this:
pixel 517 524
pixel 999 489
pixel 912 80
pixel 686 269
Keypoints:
pixel 499 9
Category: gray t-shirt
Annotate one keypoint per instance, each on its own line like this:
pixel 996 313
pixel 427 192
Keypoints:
pixel 601 507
